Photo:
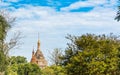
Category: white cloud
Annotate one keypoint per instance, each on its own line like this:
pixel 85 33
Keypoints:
pixel 89 3
pixel 47 17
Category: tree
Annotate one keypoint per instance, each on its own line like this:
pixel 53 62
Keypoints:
pixel 118 13
pixel 5 47
pixel 4 26
pixel 54 70
pixel 11 70
pixel 92 55
pixel 6 22
pixel 29 69
pixel 55 56
pixel 23 69
pixel 3 62
pixel 17 60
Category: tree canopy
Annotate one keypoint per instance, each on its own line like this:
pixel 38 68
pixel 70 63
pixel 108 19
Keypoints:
pixel 23 69
pixel 17 60
pixel 92 55
pixel 4 26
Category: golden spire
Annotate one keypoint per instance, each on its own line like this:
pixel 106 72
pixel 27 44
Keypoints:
pixel 33 52
pixel 38 44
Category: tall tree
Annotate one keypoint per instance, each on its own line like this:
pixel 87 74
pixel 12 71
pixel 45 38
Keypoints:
pixel 5 47
pixel 92 55
pixel 6 22
pixel 4 26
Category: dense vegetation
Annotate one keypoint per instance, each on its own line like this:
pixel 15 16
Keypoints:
pixel 92 55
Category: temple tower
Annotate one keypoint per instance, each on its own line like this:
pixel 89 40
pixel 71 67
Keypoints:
pixel 38 57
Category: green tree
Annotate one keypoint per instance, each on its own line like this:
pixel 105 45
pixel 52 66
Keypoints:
pixel 12 70
pixel 17 60
pixel 5 47
pixel 23 69
pixel 53 70
pixel 92 55
pixel 14 63
pixel 3 61
pixel 4 26
pixel 29 69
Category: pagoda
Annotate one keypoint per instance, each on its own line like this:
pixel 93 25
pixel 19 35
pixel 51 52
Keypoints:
pixel 38 57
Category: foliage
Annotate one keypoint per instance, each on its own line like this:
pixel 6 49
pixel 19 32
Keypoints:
pixel 53 70
pixel 3 61
pixel 92 55
pixel 29 69
pixel 18 66
pixel 17 60
pixel 23 69
pixel 12 70
pixel 4 26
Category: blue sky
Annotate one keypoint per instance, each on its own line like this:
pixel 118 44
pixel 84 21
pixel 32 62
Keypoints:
pixel 54 19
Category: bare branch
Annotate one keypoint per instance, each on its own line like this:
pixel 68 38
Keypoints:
pixel 14 43
pixel 55 56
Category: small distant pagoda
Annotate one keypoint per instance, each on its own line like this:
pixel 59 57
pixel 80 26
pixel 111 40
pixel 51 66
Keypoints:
pixel 38 58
